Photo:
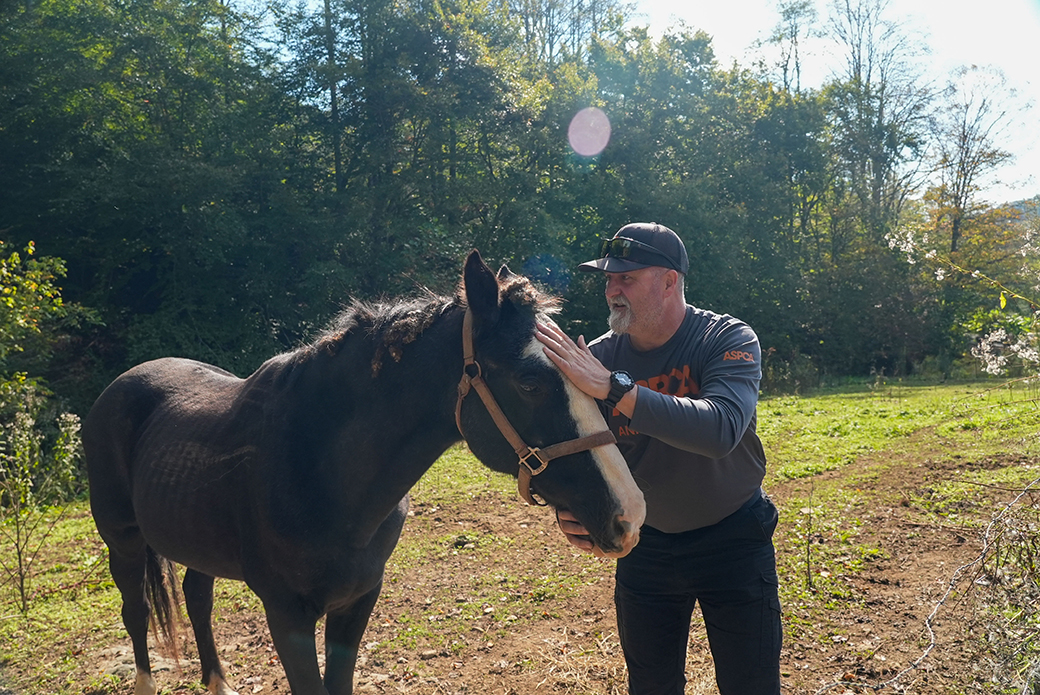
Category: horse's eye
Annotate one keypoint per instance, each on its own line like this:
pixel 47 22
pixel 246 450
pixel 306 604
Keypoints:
pixel 529 386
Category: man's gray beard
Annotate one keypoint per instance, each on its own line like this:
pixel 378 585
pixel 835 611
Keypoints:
pixel 620 322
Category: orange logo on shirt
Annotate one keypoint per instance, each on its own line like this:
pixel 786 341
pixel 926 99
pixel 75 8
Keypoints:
pixel 738 355
pixel 676 383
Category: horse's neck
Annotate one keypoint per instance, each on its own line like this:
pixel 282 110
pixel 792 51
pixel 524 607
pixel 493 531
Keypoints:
pixel 426 371
pixel 409 404
pixel 424 377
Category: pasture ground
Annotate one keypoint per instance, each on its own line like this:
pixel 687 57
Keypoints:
pixel 894 502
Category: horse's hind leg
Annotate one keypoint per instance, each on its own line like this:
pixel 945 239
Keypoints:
pixel 198 599
pixel 128 572
pixel 343 632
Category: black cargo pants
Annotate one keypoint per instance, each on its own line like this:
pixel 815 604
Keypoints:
pixel 730 568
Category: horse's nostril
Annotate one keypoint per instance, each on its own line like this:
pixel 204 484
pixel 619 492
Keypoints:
pixel 625 536
pixel 629 534
pixel 625 530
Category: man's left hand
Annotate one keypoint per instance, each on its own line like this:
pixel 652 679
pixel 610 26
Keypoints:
pixel 575 360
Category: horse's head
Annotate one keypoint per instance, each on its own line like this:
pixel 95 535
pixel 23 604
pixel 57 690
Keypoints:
pixel 545 409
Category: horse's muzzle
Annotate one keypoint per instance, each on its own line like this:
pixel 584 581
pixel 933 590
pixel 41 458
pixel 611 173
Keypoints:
pixel 626 539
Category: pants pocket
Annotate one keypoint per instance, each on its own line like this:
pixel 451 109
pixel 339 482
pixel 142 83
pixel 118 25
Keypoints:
pixel 772 628
pixel 767 515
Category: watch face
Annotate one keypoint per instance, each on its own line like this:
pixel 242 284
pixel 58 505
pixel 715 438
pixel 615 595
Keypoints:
pixel 624 379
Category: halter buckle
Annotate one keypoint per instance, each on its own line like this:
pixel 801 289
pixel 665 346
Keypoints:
pixel 533 451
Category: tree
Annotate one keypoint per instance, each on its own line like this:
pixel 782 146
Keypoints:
pixel 797 18
pixel 553 31
pixel 958 292
pixel 968 128
pixel 144 145
pixel 877 103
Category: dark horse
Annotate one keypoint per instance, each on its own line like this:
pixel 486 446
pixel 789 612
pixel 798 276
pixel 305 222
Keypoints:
pixel 295 479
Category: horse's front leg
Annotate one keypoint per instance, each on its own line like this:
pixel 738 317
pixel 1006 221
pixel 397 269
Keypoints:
pixel 292 630
pixel 343 632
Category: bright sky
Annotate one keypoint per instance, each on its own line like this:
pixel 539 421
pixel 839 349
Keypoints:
pixel 1001 33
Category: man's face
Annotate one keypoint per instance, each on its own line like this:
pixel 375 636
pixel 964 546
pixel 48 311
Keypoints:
pixel 635 299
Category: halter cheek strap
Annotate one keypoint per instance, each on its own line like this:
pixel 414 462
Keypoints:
pixel 472 378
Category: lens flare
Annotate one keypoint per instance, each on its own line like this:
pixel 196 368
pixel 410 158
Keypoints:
pixel 589 132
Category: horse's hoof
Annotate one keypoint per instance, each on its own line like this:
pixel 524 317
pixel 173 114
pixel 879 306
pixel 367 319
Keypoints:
pixel 145 684
pixel 218 686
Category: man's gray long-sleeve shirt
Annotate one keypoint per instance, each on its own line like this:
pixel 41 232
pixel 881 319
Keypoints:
pixel 691 442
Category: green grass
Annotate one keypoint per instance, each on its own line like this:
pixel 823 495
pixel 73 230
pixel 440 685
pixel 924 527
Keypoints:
pixel 72 600
pixel 819 549
pixel 805 436
pixel 458 476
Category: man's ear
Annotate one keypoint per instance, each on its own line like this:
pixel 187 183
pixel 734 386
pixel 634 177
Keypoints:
pixel 671 279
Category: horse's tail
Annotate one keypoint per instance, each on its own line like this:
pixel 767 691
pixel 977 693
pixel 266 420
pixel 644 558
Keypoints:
pixel 161 585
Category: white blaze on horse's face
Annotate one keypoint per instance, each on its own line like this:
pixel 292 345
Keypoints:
pixel 608 459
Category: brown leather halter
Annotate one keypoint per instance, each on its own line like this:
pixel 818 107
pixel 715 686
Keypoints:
pixel 472 377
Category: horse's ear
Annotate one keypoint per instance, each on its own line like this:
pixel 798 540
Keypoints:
pixel 504 273
pixel 481 288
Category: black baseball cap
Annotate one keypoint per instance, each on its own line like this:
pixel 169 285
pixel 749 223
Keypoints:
pixel 640 245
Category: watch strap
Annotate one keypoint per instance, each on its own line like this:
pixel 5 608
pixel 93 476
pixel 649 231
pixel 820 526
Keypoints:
pixel 617 390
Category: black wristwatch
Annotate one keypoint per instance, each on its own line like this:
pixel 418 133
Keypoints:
pixel 620 384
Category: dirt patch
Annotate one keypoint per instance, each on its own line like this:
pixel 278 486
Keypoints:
pixel 503 606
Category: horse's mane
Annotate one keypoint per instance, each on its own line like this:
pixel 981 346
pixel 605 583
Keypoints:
pixel 522 293
pixel 394 324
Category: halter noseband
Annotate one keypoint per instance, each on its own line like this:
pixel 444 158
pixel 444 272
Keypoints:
pixel 472 377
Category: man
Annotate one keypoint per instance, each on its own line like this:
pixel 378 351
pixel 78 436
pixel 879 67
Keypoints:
pixel 679 387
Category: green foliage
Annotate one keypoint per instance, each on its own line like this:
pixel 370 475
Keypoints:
pixel 980 291
pixel 821 549
pixel 787 376
pixel 30 303
pixel 38 446
pixel 39 449
pixel 35 469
